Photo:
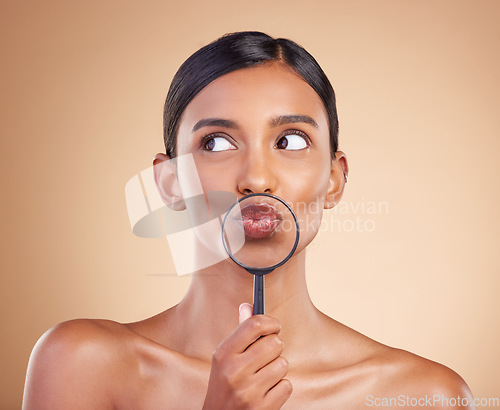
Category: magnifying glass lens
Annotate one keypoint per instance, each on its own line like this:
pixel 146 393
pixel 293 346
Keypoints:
pixel 260 231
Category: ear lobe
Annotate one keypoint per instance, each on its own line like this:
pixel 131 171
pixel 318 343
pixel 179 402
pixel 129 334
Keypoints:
pixel 338 178
pixel 165 173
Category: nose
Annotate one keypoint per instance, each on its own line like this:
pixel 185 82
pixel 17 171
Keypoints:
pixel 257 175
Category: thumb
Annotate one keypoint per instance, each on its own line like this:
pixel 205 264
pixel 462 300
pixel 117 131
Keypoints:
pixel 246 310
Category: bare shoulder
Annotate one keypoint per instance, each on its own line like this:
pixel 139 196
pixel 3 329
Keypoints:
pixel 71 363
pixel 382 376
pixel 412 378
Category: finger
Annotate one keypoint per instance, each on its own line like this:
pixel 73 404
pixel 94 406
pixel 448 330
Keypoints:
pixel 262 351
pixel 278 395
pixel 270 375
pixel 245 311
pixel 248 332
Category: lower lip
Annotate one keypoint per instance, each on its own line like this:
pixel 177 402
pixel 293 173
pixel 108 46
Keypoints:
pixel 260 220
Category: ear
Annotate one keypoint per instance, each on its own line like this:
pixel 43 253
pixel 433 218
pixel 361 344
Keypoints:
pixel 338 178
pixel 165 173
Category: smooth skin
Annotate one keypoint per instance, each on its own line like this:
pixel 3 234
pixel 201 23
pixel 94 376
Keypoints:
pixel 203 352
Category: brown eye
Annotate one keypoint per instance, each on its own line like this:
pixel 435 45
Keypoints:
pixel 215 144
pixel 282 143
pixel 210 144
pixel 292 142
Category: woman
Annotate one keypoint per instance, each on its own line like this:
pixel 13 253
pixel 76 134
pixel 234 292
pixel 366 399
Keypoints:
pixel 257 115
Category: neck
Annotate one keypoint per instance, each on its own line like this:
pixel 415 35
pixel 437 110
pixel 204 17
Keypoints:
pixel 209 311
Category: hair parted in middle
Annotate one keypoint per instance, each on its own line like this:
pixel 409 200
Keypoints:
pixel 233 52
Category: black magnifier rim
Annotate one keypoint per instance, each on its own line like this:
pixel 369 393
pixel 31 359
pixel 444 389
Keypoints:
pixel 252 269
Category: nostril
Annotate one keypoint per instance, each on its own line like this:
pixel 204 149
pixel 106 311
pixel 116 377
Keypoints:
pixel 257 178
pixel 247 191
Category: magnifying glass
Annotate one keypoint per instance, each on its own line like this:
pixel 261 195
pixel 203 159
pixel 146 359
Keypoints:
pixel 260 232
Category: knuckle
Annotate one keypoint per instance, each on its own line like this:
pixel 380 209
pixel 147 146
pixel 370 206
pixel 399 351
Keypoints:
pixel 231 380
pixel 279 342
pixel 257 322
pixel 243 398
pixel 274 343
pixel 275 339
pixel 284 363
pixel 287 386
pixel 218 356
pixel 233 375
pixel 275 322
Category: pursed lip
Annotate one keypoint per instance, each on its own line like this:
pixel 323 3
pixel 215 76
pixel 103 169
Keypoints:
pixel 260 220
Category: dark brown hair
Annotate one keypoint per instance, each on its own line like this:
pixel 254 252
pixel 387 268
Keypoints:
pixel 235 51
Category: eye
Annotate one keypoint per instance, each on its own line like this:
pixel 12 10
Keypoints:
pixel 295 140
pixel 215 143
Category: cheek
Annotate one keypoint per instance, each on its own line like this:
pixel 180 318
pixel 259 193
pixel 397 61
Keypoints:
pixel 203 176
pixel 308 195
pixel 310 182
pixel 216 178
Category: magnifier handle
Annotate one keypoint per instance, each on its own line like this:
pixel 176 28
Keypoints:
pixel 258 294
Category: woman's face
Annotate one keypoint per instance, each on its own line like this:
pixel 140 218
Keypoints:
pixel 263 130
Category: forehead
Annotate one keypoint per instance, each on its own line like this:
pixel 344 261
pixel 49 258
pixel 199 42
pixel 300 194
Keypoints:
pixel 254 95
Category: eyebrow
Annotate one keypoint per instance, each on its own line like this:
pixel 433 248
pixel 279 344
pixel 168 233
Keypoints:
pixel 219 122
pixel 292 119
pixel 274 122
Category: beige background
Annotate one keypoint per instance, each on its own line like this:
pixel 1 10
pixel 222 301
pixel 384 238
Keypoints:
pixel 417 82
